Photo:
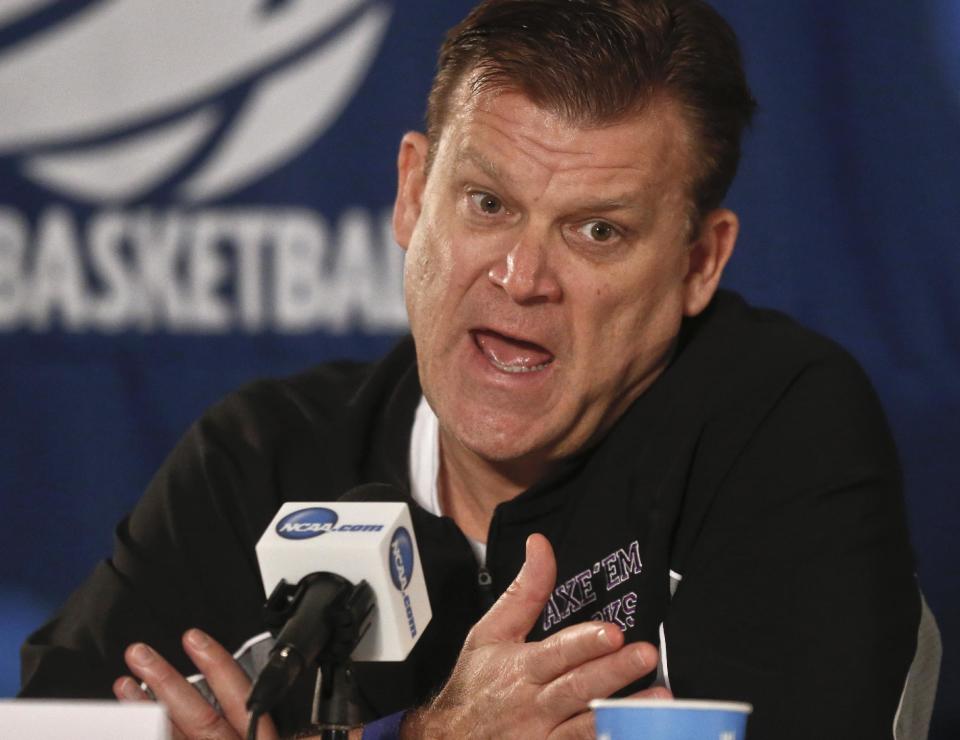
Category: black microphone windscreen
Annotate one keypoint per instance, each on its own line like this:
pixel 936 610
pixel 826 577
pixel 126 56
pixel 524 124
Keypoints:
pixel 382 492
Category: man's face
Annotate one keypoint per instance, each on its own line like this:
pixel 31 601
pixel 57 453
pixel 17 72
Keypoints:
pixel 547 270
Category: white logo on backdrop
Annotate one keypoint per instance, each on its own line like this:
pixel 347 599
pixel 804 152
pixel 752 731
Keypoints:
pixel 115 100
pixel 145 102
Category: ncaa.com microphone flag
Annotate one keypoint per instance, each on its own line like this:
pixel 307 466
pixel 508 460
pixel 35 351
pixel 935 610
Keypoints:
pixel 371 541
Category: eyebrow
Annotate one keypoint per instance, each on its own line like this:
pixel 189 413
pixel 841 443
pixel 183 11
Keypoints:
pixel 625 202
pixel 488 166
pixel 614 204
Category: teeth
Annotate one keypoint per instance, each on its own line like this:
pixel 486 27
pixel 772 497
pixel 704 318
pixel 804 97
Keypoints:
pixel 517 368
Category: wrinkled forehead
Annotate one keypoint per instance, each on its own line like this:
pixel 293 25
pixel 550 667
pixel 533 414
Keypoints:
pixel 655 138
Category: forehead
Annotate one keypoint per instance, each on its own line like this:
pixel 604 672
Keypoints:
pixel 506 134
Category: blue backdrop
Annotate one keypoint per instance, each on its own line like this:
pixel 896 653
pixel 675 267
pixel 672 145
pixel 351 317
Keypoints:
pixel 196 194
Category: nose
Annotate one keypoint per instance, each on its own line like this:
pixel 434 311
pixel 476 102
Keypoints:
pixel 525 273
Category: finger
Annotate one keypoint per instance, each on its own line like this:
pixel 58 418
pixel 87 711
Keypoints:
pixel 654 692
pixel 188 710
pixel 570 694
pixel 570 648
pixel 579 727
pixel 126 689
pixel 517 610
pixel 226 679
pixel 583 726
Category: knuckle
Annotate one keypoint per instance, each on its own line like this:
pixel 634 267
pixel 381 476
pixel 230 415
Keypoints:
pixel 553 653
pixel 470 641
pixel 564 649
pixel 520 592
pixel 208 722
pixel 164 677
pixel 576 687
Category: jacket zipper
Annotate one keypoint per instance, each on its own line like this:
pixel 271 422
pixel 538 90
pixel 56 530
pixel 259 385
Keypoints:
pixel 485 582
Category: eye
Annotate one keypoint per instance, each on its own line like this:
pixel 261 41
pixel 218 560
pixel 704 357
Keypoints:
pixel 598 231
pixel 486 203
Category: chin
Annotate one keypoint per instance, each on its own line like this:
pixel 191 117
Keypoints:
pixel 495 447
pixel 503 443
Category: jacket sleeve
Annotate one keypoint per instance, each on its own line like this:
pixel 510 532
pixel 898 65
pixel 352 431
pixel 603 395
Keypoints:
pixel 184 557
pixel 798 594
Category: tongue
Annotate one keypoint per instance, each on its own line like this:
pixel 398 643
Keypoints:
pixel 512 353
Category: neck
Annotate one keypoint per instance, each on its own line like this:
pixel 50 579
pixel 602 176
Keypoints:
pixel 472 487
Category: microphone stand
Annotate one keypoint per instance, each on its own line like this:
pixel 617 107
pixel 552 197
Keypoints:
pixel 344 614
pixel 335 709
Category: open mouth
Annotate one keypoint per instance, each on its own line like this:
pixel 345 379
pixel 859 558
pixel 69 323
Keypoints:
pixel 511 355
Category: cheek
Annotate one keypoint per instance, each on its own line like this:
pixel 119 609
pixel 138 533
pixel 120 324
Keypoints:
pixel 417 272
pixel 436 281
pixel 642 312
pixel 425 266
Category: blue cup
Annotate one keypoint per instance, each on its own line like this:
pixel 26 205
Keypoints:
pixel 670 719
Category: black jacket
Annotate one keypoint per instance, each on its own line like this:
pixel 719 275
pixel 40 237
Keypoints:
pixel 758 467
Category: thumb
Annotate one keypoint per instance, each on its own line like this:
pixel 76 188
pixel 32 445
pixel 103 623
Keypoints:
pixel 517 610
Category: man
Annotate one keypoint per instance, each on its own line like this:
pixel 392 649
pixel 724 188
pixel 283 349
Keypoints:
pixel 669 466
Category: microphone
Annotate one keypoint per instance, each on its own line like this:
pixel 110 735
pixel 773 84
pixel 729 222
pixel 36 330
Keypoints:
pixel 345 581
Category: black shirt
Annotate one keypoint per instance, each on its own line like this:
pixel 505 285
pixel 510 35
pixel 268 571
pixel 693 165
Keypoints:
pixel 758 468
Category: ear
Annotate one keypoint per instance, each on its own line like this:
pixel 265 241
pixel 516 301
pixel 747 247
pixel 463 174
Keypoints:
pixel 708 256
pixel 411 181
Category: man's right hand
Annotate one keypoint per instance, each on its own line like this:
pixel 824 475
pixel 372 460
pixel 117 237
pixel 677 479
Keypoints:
pixel 505 687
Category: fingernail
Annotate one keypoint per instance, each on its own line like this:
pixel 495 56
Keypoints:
pixel 604 637
pixel 141 654
pixel 130 690
pixel 639 658
pixel 198 639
